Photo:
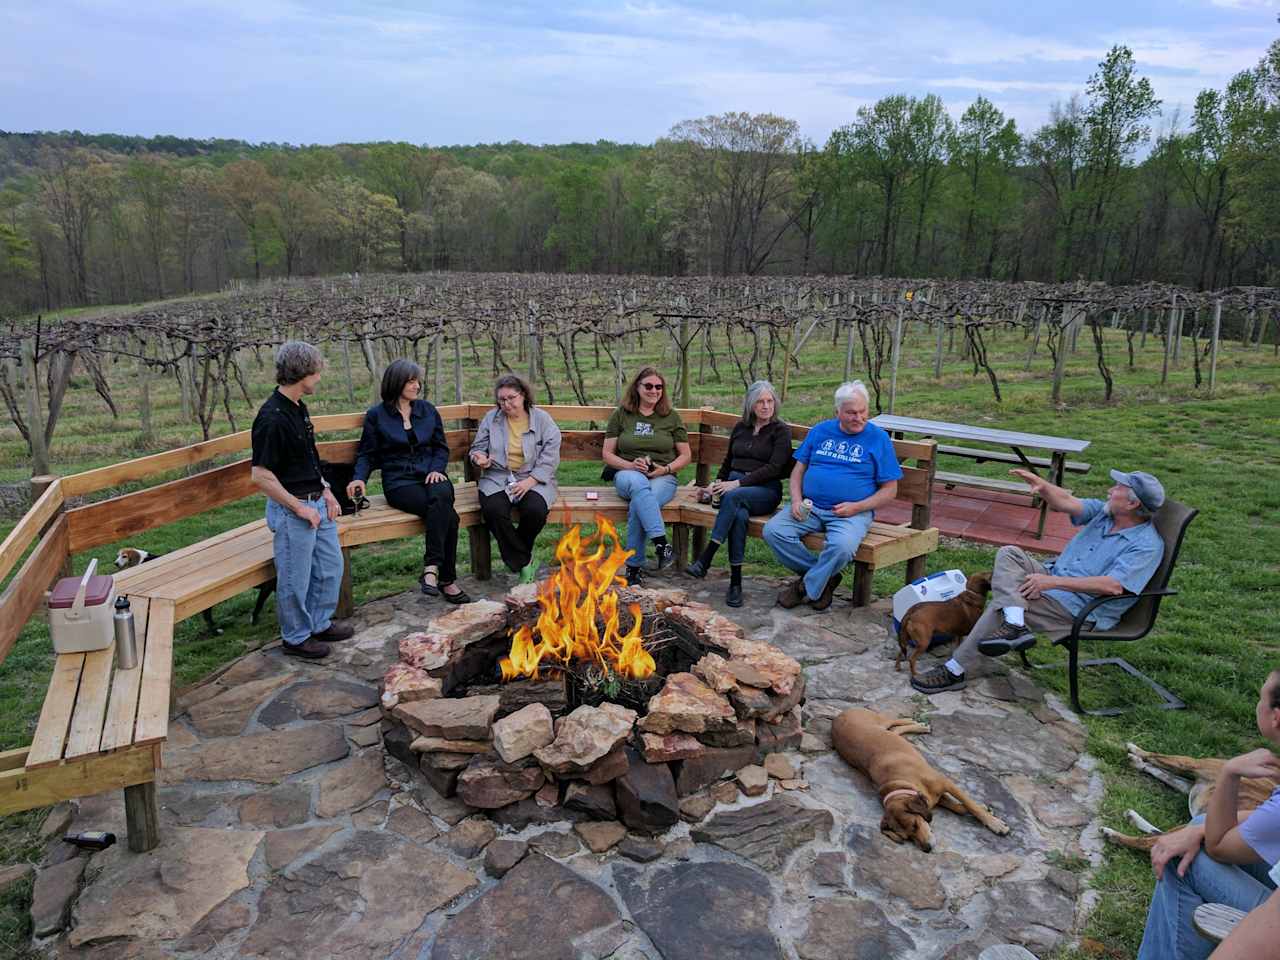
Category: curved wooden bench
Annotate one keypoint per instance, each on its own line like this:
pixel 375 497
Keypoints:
pixel 102 729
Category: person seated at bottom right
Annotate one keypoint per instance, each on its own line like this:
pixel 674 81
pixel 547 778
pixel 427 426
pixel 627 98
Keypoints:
pixel 1116 551
pixel 1238 848
pixel 845 469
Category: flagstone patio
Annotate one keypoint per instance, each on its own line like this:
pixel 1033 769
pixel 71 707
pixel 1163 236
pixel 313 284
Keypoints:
pixel 289 832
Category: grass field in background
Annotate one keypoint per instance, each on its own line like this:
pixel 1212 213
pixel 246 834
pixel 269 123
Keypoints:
pixel 1213 644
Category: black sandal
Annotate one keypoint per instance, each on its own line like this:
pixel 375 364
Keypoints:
pixel 430 589
pixel 458 598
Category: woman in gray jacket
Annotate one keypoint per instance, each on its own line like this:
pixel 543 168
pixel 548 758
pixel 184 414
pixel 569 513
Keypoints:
pixel 518 447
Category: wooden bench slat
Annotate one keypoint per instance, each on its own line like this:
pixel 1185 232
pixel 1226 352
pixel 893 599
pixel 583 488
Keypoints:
pixel 55 715
pixel 1215 921
pixel 985 483
pixel 157 673
pixel 91 703
pixel 148 576
pixel 122 708
pixel 217 571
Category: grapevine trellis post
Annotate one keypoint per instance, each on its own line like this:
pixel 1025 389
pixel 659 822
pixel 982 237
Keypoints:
pixel 1213 348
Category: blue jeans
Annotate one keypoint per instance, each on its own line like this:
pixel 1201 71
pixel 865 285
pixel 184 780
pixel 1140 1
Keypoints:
pixel 308 571
pixel 644 515
pixel 1169 934
pixel 843 534
pixel 736 507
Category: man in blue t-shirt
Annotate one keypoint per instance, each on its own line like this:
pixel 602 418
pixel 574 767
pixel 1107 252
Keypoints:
pixel 1113 555
pixel 845 468
pixel 1232 867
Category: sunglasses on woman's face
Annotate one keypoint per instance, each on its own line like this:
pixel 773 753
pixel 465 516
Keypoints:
pixel 652 386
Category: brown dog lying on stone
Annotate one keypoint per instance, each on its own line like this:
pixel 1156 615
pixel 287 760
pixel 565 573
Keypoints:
pixel 909 787
pixel 1165 767
pixel 954 617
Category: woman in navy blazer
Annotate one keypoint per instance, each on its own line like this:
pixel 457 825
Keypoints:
pixel 404 437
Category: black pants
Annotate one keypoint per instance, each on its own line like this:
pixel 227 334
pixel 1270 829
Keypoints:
pixel 433 502
pixel 515 543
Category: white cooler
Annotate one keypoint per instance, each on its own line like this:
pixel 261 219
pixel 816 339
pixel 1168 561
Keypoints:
pixel 80 612
pixel 942 585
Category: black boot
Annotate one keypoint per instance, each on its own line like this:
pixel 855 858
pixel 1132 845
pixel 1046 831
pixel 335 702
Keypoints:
pixel 734 597
pixel 700 566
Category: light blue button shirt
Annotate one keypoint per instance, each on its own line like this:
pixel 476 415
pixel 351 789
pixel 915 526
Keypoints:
pixel 1130 555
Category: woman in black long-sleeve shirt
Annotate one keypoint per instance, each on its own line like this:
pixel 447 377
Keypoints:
pixel 749 482
pixel 404 437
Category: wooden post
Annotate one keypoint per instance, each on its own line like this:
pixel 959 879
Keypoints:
pixel 848 354
pixel 346 368
pixel 1059 368
pixel 142 817
pixel 533 347
pixel 1177 338
pixel 1146 319
pixel 702 477
pixel 1213 349
pixel 35 416
pixel 457 370
pixel 786 359
pixel 937 354
pixel 684 362
pixel 144 399
pixel 38 486
pixel 897 350
pixel 1168 339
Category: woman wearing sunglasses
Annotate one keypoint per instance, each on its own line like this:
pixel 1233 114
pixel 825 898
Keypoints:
pixel 645 446
pixel 403 437
pixel 517 445
pixel 749 483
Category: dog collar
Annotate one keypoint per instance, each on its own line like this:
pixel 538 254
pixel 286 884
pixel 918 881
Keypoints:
pixel 901 792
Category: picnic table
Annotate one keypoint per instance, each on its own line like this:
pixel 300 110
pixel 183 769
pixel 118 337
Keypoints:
pixel 1016 443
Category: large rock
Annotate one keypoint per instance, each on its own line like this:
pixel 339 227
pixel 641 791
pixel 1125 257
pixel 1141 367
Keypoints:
pixel 767 833
pixel 412 823
pixel 163 894
pixel 687 704
pixel 516 736
pixel 226 714
pixel 250 667
pixel 845 929
pixel 674 746
pixel 468 718
pixel 403 683
pixel 646 795
pixel 263 757
pixel 585 736
pixel 318 700
pixel 703 911
pixel 503 854
pixel 538 911
pixel 359 900
pixel 487 783
pixel 441 745
pixel 470 623
pixel 285 846
pixel 426 652
pixel 596 801
pixel 469 837
pixel 708 623
pixel 784 734
pixel 599 836
pixel 714 764
pixel 55 887
pixel 351 785
pixel 768 662
pixel 713 670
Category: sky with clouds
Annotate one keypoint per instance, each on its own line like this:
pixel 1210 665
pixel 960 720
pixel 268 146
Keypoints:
pixel 439 73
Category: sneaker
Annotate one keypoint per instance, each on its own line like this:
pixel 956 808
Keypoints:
pixel 734 597
pixel 309 649
pixel 529 572
pixel 334 633
pixel 937 680
pixel 635 576
pixel 1008 638
pixel 828 592
pixel 696 569
pixel 663 555
pixel 792 594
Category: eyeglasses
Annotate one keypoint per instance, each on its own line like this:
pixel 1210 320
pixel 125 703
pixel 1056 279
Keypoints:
pixel 652 386
pixel 511 398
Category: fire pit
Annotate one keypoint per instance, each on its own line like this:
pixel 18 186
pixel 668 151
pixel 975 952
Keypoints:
pixel 582 693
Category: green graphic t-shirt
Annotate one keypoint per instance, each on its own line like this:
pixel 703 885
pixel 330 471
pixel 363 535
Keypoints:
pixel 655 436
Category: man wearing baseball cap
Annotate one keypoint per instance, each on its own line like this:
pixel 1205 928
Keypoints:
pixel 1115 552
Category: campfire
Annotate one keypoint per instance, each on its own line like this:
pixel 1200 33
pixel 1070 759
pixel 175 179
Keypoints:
pixel 579 622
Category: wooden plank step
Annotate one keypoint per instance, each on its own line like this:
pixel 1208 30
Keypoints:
pixel 1006 456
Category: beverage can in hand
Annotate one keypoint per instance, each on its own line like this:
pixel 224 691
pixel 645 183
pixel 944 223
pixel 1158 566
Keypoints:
pixel 806 508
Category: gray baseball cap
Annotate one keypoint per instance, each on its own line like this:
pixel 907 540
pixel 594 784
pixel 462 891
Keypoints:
pixel 1145 487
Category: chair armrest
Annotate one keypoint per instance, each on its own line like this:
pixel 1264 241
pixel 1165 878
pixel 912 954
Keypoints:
pixel 1078 623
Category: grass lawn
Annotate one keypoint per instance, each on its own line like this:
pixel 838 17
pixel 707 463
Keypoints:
pixel 1213 644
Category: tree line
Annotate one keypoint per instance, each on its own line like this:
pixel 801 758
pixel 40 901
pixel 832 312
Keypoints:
pixel 903 189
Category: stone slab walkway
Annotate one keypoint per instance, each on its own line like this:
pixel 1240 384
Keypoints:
pixel 289 833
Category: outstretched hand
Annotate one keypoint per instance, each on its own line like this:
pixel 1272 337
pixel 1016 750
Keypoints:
pixel 1034 481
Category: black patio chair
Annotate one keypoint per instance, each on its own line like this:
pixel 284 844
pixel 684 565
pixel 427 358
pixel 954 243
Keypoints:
pixel 1171 522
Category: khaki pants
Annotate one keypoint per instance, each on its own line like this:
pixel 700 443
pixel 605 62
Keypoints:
pixel 1044 615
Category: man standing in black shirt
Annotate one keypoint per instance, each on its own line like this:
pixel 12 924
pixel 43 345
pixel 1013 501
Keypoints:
pixel 301 509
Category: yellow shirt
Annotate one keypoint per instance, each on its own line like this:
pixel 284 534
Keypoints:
pixel 515 441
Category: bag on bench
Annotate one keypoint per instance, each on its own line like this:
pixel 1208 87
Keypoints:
pixel 339 475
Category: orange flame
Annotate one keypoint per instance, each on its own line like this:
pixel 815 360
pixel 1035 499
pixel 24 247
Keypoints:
pixel 579 612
